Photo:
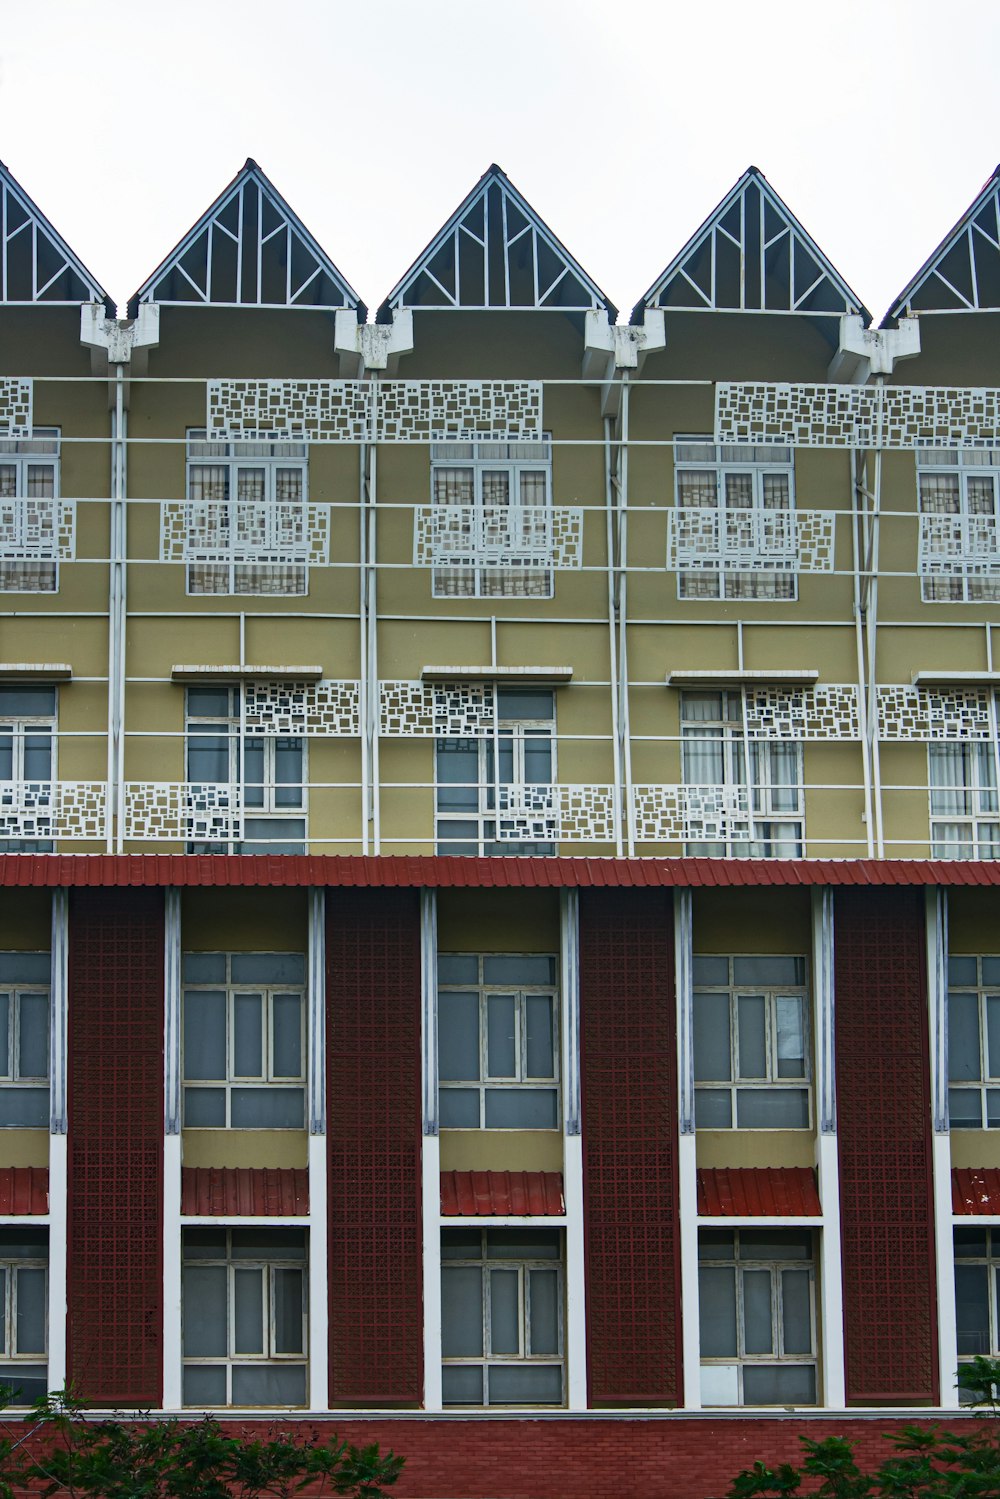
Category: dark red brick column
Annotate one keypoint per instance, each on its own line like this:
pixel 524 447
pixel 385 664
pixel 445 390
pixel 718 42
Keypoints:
pixel 115 1226
pixel 373 1112
pixel 884 1123
pixel 629 1080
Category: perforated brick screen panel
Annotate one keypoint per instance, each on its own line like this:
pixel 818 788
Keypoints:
pixel 629 1078
pixel 115 1229
pixel 373 1073
pixel 883 1109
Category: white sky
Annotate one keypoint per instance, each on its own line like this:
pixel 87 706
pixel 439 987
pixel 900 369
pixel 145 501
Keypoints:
pixel 623 122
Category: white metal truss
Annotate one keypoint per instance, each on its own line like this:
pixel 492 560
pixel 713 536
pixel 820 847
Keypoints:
pixel 708 538
pixel 965 546
pixel 691 814
pixel 963 273
pixel 827 713
pixel 320 709
pixel 36 263
pixel 178 811
pixel 752 255
pixel 249 250
pixel 498 536
pixel 857 416
pixel 934 714
pixel 495 251
pixel 49 810
pixel 244 532
pixel 16 403
pixel 368 411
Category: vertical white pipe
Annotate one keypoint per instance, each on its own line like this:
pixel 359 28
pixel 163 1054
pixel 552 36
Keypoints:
pixel 172 1349
pixel 58 1139
pixel 827 1159
pixel 430 1156
pixel 936 922
pixel 576 1321
pixel 687 1156
pixel 319 1363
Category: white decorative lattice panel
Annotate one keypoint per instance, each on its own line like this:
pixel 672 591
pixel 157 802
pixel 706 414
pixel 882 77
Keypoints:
pixel 81 809
pixel 690 814
pixel 939 714
pixel 959 546
pixel 276 533
pixel 15 406
pixel 33 529
pixel 704 538
pixel 289 410
pixel 45 810
pixel 938 416
pixel 555 814
pixel 459 710
pixel 798 713
pixel 497 536
pixel 406 710
pixel 457 410
pixel 838 416
pixel 319 709
pixel 179 811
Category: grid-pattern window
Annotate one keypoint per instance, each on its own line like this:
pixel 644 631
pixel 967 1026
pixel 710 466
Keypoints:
pixel 27 770
pixel 977 1291
pixel 24 1260
pixel 499 498
pixel 24 1039
pixel 264 775
pixel 959 488
pixel 498 1041
pixel 502 1336
pixel 494 794
pixel 757 1312
pixel 974 1042
pixel 247 520
pixel 244 1040
pixel 751 1043
pixel 767 822
pixel 244 1317
pixel 29 512
pixel 735 520
pixel 964 809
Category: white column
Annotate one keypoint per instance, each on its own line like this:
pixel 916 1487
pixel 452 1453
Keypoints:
pixel 430 1156
pixel 569 985
pixel 687 1157
pixel 936 922
pixel 827 1159
pixel 172 1350
pixel 58 1139
pixel 319 1332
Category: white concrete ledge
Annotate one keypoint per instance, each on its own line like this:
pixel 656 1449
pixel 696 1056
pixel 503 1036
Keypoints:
pixel 942 678
pixel 246 673
pixel 35 671
pixel 780 676
pixel 496 673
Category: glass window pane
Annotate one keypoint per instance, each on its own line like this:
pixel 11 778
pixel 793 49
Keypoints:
pixel 779 1384
pixel 5 1008
pixel 204 968
pixel 993 1108
pixel 205 1108
pixel 274 968
pixel 513 705
pixel 963 1038
pixel 537 760
pixel 458 1037
pixel 268 1243
pixel 750 1009
pixel 204 1385
pixel 37 757
pixel 248 1046
pixel 288 773
pixel 717 1310
pixel 712 1054
pixel 993 1035
pixel 33 1035
pixel 458 1108
pixel 772 969
pixel 790 1038
pixel 517 969
pixel 523 1244
pixel 286 1020
pixel 712 972
pixel 501 1042
pixel 965 1108
pixel 776 1244
pixel 971 1241
pixel 204 1034
pixel 461 1311
pixel 207 759
pixel 204 1302
pixel 991 970
pixel 757 1333
pixel 462 1385
pixel 30 1320
pixel 3 1303
pixel 716 1244
pixel 25 967
pixel 208 702
pixel 288 1329
pixel 267 1107
pixel 772 1108
pixel 720 1384
pixel 796 1311
pixel 525 1384
pixel 521 1108
pixel 963 971
pixel 270 1384
pixel 457 774
pixel 505 1314
pixel 248 1310
pixel 543 1311
pixel 204 1244
pixel 713 1109
pixel 458 968
pixel 540 1052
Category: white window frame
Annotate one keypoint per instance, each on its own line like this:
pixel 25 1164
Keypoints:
pixel 512 527
pixel 234 1080
pixel 978 827
pixel 238 736
pixel 18 795
pixel 521 1081
pixel 37 1360
pixel 491 787
pixel 524 1266
pixel 756 463
pixel 24 566
pixel 770 993
pixel 728 732
pixel 987 1082
pixel 268 1264
pixel 740 1264
pixel 228 568
pixel 978 531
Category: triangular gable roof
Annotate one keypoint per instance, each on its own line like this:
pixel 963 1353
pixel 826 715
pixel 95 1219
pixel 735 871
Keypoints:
pixel 248 250
pixel 963 274
pixel 37 266
pixel 493 252
pixel 752 255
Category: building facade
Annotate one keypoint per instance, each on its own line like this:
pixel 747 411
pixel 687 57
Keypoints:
pixel 497 811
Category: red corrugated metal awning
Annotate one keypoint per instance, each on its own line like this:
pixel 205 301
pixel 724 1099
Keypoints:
pixel 24 1189
pixel 975 1191
pixel 238 1192
pixel 762 1192
pixel 502 1194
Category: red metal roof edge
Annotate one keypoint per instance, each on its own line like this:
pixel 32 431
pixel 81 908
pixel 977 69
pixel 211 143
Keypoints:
pixel 975 1190
pixel 430 870
pixel 515 1194
pixel 24 1190
pixel 758 1192
pixel 244 1191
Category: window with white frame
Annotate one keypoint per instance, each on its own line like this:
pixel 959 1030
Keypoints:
pixel 977 1292
pixel 244 1317
pixel 27 771
pixel 492 519
pixel 959 537
pixel 766 823
pixel 974 1042
pixel 965 812
pixel 751 1043
pixel 29 512
pixel 247 521
pixel 243 787
pixel 498 1041
pixel 502 1336
pixel 494 794
pixel 24 1260
pixel 244 1040
pixel 735 521
pixel 24 1040
pixel 757 1313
